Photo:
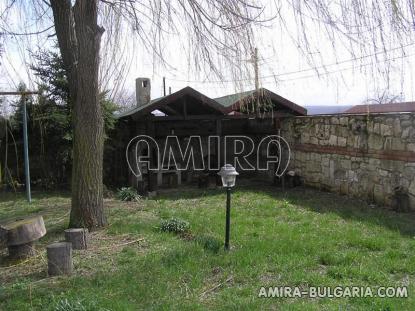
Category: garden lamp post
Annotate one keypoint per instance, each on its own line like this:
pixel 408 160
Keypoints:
pixel 228 175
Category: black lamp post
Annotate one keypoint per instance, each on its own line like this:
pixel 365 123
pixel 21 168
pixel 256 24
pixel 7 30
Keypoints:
pixel 228 175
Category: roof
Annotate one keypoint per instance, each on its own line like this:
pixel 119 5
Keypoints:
pixel 326 109
pixel 166 104
pixel 229 100
pixel 235 102
pixel 170 104
pixel 382 108
pixel 137 109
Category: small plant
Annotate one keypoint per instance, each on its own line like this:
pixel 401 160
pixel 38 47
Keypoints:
pixel 285 203
pixel 66 305
pixel 209 243
pixel 128 194
pixel 175 225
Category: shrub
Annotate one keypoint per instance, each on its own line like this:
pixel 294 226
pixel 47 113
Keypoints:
pixel 209 243
pixel 175 225
pixel 128 194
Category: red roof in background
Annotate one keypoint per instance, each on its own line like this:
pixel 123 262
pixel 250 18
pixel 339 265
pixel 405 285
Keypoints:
pixel 382 108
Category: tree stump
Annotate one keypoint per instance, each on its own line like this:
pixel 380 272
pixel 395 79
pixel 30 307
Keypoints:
pixel 21 234
pixel 3 237
pixel 78 237
pixel 22 251
pixel 59 258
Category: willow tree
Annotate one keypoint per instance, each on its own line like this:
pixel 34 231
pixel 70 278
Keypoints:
pixel 218 33
pixel 217 26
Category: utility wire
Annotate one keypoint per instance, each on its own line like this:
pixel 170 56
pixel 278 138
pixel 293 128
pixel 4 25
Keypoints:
pixel 300 71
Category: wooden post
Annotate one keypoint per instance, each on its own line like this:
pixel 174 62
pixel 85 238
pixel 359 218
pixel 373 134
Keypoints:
pixel 59 258
pixel 78 237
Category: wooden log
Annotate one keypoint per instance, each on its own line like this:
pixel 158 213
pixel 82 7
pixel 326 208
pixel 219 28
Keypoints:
pixel 78 237
pixel 59 258
pixel 22 251
pixel 25 230
pixel 19 236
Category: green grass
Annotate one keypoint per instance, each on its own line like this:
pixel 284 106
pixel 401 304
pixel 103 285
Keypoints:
pixel 301 237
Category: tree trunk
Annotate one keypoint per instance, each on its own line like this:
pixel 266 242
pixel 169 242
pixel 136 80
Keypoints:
pixel 79 40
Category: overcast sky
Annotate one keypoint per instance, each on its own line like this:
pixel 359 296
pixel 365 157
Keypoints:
pixel 282 69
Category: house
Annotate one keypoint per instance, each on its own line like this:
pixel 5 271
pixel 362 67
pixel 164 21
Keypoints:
pixel 382 108
pixel 187 113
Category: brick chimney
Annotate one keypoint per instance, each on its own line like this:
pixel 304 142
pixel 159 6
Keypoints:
pixel 142 91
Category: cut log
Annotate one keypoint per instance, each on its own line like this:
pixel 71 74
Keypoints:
pixel 59 258
pixel 78 237
pixel 19 236
pixel 22 251
pixel 25 230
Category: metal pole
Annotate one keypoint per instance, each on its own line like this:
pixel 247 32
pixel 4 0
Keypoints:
pixel 26 151
pixel 164 86
pixel 228 217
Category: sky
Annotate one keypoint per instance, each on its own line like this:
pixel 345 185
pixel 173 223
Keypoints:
pixel 336 77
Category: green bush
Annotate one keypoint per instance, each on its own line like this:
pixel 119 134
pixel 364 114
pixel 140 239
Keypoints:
pixel 175 225
pixel 128 194
pixel 209 243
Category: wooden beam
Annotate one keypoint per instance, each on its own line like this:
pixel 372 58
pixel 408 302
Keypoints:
pixel 169 110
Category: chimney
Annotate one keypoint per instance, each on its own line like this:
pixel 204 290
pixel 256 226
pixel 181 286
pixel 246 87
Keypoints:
pixel 142 91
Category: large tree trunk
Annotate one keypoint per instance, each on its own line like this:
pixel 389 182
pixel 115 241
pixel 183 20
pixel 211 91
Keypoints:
pixel 79 39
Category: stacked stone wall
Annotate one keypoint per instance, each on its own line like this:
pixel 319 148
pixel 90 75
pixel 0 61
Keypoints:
pixel 366 156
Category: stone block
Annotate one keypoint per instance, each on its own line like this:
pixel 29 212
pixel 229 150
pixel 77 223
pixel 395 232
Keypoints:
pixel 393 143
pixel 406 123
pixel 333 140
pixel 374 162
pixel 345 164
pixel 406 132
pixel 410 147
pixel 314 167
pixel 390 165
pixel 313 140
pixel 335 120
pixel 325 161
pixel 385 130
pixel 305 138
pixel 341 141
pixel 378 194
pixel 397 144
pixel 411 188
pixel 326 172
pixel 376 128
pixel 316 157
pixel 344 120
pixel 383 173
pixel 352 176
pixel 397 130
pixel 375 142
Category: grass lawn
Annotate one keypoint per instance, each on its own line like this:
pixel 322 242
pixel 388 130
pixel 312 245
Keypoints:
pixel 300 237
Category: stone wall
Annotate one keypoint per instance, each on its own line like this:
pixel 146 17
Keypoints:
pixel 366 156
